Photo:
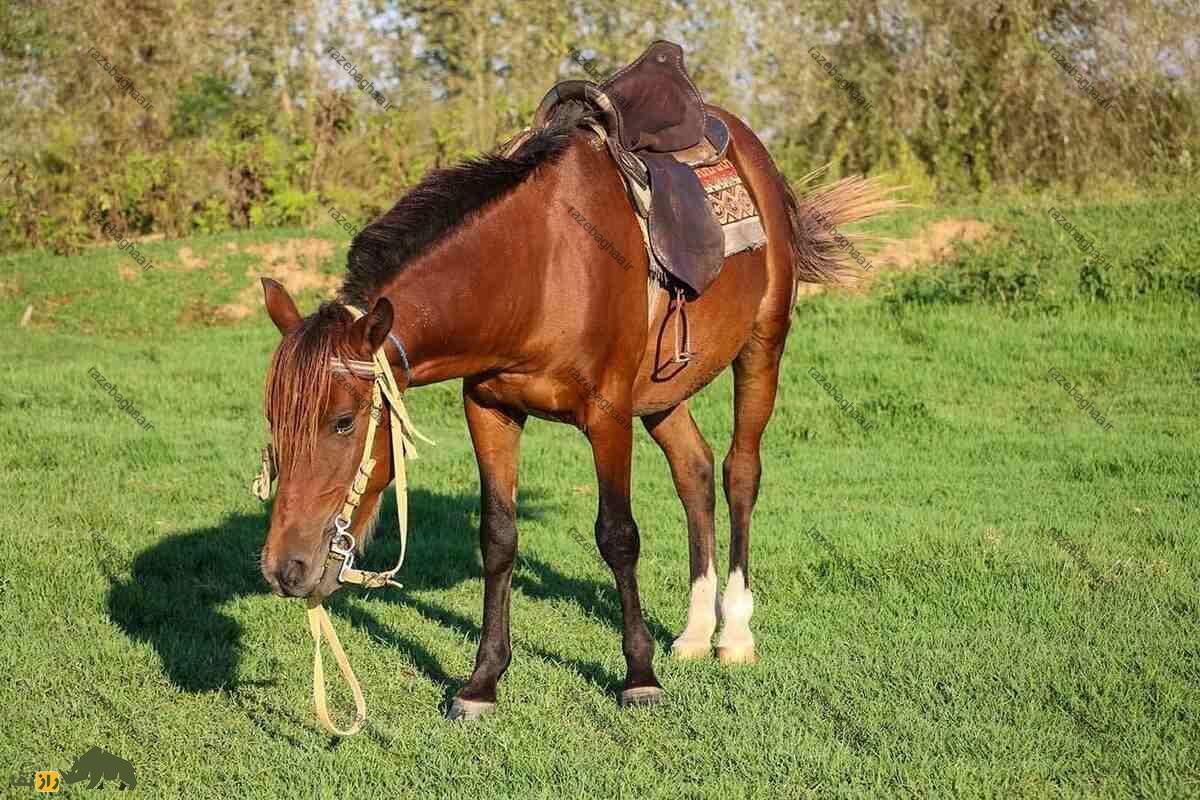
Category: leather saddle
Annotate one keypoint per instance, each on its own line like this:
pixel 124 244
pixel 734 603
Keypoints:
pixel 655 124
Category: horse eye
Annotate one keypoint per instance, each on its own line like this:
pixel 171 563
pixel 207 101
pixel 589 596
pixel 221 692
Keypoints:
pixel 343 426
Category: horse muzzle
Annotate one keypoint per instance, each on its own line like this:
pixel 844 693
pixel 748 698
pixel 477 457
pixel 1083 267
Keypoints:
pixel 295 572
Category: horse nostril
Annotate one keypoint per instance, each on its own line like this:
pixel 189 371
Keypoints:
pixel 292 574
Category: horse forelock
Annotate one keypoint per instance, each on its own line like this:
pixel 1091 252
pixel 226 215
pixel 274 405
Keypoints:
pixel 300 381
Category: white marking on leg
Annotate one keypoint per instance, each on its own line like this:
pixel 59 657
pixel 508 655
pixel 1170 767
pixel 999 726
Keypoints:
pixel 703 609
pixel 736 643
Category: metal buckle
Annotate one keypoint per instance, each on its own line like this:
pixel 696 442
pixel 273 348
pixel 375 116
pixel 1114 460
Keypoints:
pixel 343 546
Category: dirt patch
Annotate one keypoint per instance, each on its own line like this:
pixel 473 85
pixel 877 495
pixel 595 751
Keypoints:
pixel 294 255
pixel 293 262
pixel 933 244
pixel 188 261
pixel 128 273
pixel 58 301
pixel 199 312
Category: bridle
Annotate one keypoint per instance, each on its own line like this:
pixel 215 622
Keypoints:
pixel 339 561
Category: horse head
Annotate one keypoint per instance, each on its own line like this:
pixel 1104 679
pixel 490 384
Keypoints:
pixel 319 409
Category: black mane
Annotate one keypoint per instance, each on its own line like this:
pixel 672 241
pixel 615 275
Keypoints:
pixel 442 201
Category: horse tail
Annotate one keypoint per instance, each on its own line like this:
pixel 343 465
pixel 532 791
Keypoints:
pixel 821 251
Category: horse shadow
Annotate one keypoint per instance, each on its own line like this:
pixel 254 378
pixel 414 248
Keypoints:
pixel 170 595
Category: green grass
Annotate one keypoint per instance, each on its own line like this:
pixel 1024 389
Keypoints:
pixel 932 639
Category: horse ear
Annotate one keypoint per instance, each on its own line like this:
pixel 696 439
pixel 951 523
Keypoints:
pixel 371 331
pixel 280 306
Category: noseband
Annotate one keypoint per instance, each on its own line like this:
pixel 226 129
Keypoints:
pixel 339 561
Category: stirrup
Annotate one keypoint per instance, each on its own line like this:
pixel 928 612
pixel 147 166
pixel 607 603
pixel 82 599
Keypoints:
pixel 684 355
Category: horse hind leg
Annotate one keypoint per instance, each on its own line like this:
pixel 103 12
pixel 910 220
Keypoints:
pixel 755 383
pixel 691 462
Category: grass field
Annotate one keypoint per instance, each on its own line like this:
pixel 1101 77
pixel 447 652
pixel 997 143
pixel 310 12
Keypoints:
pixel 922 629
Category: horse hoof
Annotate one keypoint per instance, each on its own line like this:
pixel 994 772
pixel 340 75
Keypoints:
pixel 683 650
pixel 642 696
pixel 467 710
pixel 737 654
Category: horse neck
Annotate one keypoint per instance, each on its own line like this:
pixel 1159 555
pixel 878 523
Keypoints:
pixel 461 307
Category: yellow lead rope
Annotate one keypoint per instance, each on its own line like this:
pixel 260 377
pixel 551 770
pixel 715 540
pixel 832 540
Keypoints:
pixel 318 626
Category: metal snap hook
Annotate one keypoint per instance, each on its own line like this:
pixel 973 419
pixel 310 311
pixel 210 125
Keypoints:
pixel 343 540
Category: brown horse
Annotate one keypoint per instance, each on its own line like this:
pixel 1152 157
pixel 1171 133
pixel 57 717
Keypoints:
pixel 482 273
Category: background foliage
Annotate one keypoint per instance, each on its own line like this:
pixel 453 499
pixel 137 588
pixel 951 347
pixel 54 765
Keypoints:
pixel 254 125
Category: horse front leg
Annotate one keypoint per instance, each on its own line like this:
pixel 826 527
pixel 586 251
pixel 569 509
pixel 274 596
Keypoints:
pixel 497 437
pixel 611 435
